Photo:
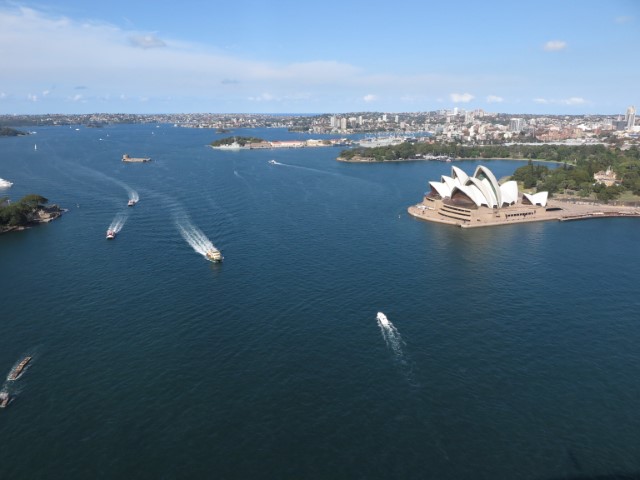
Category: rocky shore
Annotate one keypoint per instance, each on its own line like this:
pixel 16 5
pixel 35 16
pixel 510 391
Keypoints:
pixel 43 214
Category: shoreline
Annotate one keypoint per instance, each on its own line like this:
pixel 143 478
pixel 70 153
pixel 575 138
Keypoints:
pixel 401 160
pixel 554 211
pixel 43 215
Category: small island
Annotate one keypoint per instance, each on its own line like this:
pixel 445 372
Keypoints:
pixel 11 132
pixel 28 211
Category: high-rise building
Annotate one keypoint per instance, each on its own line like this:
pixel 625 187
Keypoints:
pixel 343 124
pixel 630 117
pixel 516 124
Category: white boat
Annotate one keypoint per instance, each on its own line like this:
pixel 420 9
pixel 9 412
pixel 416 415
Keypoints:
pixel 111 234
pixel 5 183
pixel 273 162
pixel 213 255
pixel 131 203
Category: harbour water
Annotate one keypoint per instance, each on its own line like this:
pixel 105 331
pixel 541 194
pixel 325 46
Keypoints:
pixel 507 352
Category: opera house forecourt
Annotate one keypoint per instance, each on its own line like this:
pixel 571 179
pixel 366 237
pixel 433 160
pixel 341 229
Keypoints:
pixel 480 201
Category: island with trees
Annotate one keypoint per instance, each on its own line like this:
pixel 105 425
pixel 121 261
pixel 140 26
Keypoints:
pixel 28 211
pixel 11 132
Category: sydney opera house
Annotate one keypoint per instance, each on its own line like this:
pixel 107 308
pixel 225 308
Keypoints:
pixel 479 200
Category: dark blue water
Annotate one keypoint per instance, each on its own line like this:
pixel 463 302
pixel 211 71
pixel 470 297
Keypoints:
pixel 514 354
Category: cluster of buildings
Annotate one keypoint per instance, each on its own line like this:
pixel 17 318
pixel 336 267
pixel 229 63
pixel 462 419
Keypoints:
pixel 454 125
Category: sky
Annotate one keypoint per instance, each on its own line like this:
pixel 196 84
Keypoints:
pixel 253 56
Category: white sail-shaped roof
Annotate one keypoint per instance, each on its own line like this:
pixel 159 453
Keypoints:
pixel 442 188
pixel 488 198
pixel 458 173
pixel 483 172
pixel 483 189
pixel 509 191
pixel 539 198
pixel 472 192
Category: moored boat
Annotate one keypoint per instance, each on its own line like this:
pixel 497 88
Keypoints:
pixel 111 234
pixel 4 399
pixel 19 369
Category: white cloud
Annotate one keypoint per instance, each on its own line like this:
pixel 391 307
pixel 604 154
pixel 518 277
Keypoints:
pixel 3 95
pixel 494 99
pixel 370 98
pixel 146 41
pixel 76 98
pixel 573 101
pixel 555 45
pixel 265 97
pixel 461 97
pixel 32 98
pixel 564 101
pixel 624 19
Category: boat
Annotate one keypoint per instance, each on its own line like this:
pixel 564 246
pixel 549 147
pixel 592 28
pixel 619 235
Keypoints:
pixel 213 255
pixel 273 162
pixel 111 234
pixel 131 203
pixel 19 369
pixel 5 183
pixel 4 399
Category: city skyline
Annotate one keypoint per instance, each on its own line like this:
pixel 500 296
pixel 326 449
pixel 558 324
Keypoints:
pixel 557 58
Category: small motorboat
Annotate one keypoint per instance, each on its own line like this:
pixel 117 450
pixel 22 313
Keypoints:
pixel 213 255
pixel 4 399
pixel 131 203
pixel 19 369
pixel 272 162
pixel 111 234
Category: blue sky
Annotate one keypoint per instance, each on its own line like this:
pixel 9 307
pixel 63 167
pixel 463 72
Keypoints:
pixel 75 56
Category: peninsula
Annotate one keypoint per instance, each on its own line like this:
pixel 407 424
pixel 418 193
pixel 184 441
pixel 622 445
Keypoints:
pixel 28 211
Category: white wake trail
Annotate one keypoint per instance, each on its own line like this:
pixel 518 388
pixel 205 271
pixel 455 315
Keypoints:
pixel 118 222
pixel 391 336
pixel 194 237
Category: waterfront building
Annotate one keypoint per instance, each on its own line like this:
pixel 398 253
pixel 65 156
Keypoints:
pixel 478 200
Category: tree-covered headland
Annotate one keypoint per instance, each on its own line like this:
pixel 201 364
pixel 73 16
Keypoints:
pixel 574 176
pixel 21 213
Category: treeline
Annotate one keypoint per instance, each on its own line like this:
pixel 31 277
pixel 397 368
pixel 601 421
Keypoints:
pixel 557 153
pixel 578 178
pixel 242 141
pixel 21 212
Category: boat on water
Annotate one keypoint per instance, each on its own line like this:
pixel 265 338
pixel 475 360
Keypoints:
pixel 5 183
pixel 131 203
pixel 272 162
pixel 213 255
pixel 19 369
pixel 4 399
pixel 111 234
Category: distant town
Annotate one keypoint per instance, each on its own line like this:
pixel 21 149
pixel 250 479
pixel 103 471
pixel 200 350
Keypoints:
pixel 459 126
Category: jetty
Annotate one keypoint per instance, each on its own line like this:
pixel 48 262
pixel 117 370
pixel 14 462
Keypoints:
pixel 128 159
